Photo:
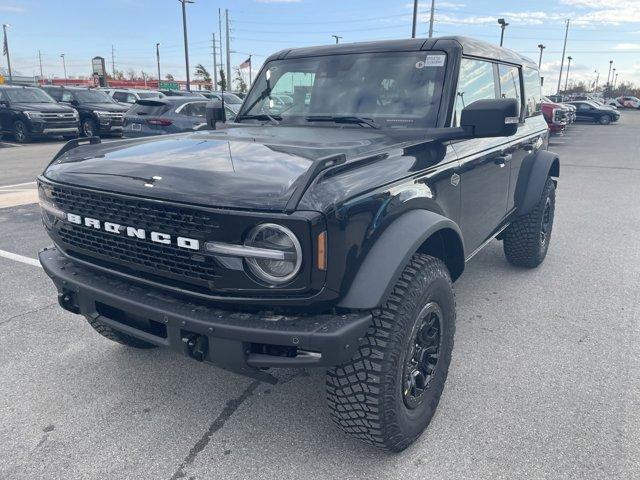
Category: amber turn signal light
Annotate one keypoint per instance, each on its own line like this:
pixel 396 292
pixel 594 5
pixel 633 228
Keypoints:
pixel 322 251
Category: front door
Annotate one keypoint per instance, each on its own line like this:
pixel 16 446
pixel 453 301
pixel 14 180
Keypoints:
pixel 485 163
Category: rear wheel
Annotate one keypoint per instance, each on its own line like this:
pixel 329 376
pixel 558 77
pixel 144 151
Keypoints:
pixel 526 240
pixel 118 337
pixel 604 120
pixel 388 392
pixel 89 127
pixel 21 132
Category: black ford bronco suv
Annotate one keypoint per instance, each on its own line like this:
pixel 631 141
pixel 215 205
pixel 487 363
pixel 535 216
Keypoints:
pixel 322 232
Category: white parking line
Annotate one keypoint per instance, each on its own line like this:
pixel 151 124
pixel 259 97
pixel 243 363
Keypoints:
pixel 20 258
pixel 18 185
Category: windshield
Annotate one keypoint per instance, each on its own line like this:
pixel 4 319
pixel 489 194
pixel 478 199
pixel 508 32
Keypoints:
pixel 149 94
pixel 28 95
pixel 92 96
pixel 391 89
pixel 232 99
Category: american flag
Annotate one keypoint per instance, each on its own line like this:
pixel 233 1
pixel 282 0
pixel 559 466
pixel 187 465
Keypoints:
pixel 246 63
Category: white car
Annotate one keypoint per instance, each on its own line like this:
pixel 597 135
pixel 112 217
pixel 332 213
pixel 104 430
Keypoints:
pixel 131 96
pixel 626 102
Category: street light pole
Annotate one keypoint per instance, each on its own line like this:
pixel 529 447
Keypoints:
pixel 64 67
pixel 432 17
pixel 503 25
pixel 595 90
pixel 615 80
pixel 609 75
pixel 337 37
pixel 6 50
pixel 415 19
pixel 566 82
pixel 564 50
pixel 541 47
pixel 158 61
pixel 186 43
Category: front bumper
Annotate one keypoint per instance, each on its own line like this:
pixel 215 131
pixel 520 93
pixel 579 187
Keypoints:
pixel 241 342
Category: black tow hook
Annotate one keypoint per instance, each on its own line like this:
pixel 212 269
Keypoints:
pixel 196 346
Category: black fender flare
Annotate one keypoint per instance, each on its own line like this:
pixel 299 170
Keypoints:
pixel 532 178
pixel 389 255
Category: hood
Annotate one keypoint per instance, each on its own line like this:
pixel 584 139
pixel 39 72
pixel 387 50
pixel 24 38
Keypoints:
pixel 244 167
pixel 46 107
pixel 106 107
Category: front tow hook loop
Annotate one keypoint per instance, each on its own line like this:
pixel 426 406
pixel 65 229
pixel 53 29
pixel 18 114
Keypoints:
pixel 196 346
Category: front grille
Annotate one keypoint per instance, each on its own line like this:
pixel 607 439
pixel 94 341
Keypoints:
pixel 58 117
pixel 116 118
pixel 132 255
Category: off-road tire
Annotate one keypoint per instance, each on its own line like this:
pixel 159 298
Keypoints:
pixel 88 127
pixel 604 120
pixel 365 395
pixel 21 132
pixel 523 240
pixel 118 337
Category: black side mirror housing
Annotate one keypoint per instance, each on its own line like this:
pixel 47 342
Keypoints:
pixel 491 118
pixel 215 113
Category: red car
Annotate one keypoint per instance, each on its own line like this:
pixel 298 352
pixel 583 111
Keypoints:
pixel 555 115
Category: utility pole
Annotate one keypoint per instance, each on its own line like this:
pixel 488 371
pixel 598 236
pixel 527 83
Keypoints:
pixel 615 80
pixel 220 41
pixel 415 20
pixel 503 26
pixel 6 51
pixel 564 49
pixel 541 47
pixel 186 42
pixel 337 37
pixel 608 87
pixel 158 61
pixel 64 67
pixel 595 89
pixel 566 82
pixel 40 60
pixel 215 62
pixel 226 17
pixel 113 63
pixel 432 17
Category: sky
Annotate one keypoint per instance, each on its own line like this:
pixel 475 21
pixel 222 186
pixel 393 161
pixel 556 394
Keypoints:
pixel 599 31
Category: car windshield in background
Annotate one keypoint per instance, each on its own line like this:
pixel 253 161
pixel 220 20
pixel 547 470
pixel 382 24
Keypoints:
pixel 232 99
pixel 28 95
pixel 149 94
pixel 383 89
pixel 92 96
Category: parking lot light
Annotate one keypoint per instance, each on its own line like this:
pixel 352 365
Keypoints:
pixel 503 25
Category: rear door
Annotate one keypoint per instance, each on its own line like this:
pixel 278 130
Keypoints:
pixel 484 162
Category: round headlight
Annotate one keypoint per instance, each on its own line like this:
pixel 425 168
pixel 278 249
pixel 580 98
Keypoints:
pixel 275 237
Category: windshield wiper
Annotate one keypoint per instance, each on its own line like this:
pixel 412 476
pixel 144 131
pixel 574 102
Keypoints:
pixel 344 119
pixel 261 116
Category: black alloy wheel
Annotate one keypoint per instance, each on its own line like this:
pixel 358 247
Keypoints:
pixel 424 352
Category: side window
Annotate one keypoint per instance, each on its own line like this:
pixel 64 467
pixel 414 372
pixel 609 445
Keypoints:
pixel 198 109
pixel 131 98
pixel 55 93
pixel 119 96
pixel 476 82
pixel 66 97
pixel 532 91
pixel 509 82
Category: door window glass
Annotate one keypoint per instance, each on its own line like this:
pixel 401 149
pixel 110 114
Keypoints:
pixel 476 82
pixel 532 91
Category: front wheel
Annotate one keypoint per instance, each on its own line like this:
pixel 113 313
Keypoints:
pixel 21 132
pixel 605 120
pixel 89 128
pixel 388 392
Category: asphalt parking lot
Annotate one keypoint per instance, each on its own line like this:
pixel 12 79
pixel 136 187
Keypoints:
pixel 544 382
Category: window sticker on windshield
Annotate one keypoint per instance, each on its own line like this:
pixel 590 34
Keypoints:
pixel 435 61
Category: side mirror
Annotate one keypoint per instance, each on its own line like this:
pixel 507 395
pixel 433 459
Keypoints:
pixel 491 118
pixel 215 113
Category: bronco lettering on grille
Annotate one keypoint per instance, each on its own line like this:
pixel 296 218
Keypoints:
pixel 134 232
